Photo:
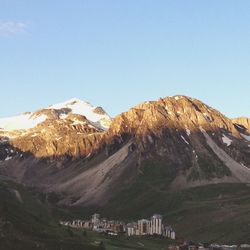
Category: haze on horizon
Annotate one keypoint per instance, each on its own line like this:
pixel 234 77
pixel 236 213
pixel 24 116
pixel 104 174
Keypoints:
pixel 116 54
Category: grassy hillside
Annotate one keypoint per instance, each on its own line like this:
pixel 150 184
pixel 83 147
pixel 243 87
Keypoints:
pixel 26 223
pixel 214 213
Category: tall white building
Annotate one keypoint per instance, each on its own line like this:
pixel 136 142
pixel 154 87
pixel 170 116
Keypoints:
pixel 131 229
pixel 156 224
pixel 169 233
pixel 95 218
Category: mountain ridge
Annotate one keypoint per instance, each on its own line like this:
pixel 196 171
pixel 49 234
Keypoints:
pixel 194 144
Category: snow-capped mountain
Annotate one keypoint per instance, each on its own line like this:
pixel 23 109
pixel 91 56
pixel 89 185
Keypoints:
pixel 155 152
pixel 95 115
pixel 21 122
pixel 181 140
pixel 68 128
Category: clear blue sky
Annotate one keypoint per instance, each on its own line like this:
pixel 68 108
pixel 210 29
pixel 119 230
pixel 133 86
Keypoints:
pixel 117 53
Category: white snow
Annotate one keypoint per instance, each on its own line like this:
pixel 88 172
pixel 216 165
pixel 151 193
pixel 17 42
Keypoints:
pixel 24 121
pixel 78 122
pixel 226 140
pixel 183 138
pixel 239 126
pixel 246 137
pixel 63 116
pixel 8 158
pixel 29 120
pixel 86 109
pixel 188 132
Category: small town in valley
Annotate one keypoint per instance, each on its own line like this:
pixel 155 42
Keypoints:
pixel 153 226
pixel 143 227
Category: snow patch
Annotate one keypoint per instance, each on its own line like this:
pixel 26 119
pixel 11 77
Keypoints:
pixel 24 121
pixel 78 123
pixel 8 158
pixel 183 138
pixel 226 140
pixel 63 116
pixel 239 126
pixel 86 109
pixel 246 137
pixel 188 132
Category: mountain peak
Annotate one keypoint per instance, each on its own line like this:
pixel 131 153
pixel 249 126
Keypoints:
pixel 67 103
pixel 96 115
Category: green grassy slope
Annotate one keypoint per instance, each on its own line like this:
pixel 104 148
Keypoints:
pixel 26 223
pixel 213 213
pixel 130 243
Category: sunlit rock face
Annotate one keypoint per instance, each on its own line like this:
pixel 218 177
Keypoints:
pixel 76 149
pixel 70 128
pixel 242 123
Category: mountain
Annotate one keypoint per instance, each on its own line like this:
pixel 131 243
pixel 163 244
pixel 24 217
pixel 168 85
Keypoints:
pixel 158 151
pixel 193 143
pixel 69 128
pixel 95 115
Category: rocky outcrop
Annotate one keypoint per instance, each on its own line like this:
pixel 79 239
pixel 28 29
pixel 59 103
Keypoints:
pixel 242 123
pixel 55 138
pixel 70 129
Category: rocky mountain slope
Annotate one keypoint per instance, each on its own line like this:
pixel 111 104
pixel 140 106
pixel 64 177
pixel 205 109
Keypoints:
pixel 78 152
pixel 71 128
